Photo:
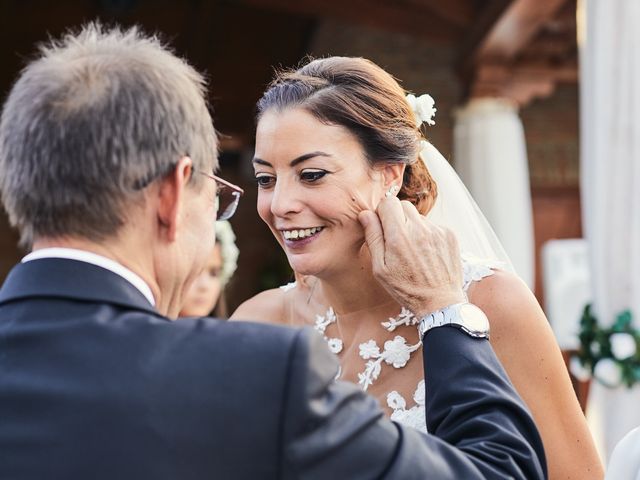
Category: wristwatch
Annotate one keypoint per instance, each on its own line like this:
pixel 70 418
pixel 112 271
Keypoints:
pixel 465 316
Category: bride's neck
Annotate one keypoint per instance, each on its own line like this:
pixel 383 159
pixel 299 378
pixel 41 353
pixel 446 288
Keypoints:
pixel 354 287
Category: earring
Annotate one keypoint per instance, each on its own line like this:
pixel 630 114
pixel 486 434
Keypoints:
pixel 393 190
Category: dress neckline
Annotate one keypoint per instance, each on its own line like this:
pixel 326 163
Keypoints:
pixel 393 350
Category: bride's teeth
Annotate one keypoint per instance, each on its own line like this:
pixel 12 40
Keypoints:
pixel 302 233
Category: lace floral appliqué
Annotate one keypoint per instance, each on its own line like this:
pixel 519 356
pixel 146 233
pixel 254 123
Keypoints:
pixel 396 352
pixel 413 417
pixel 289 286
pixel 406 317
pixel 475 269
pixel 322 322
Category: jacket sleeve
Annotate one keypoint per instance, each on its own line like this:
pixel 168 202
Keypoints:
pixel 480 428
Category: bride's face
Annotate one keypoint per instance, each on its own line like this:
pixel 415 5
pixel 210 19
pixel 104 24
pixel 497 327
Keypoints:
pixel 313 180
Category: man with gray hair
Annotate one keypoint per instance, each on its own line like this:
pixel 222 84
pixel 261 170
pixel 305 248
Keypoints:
pixel 107 154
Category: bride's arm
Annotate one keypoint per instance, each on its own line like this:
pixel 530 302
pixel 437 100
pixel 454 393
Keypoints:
pixel 525 344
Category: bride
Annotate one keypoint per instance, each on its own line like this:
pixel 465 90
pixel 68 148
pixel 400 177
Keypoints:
pixel 335 137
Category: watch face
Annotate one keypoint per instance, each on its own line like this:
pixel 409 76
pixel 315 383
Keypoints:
pixel 474 318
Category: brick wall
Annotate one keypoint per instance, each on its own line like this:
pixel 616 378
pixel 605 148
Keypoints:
pixel 422 67
pixel 551 129
pixel 552 132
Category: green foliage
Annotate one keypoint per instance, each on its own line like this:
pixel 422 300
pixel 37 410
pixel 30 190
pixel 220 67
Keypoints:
pixel 596 344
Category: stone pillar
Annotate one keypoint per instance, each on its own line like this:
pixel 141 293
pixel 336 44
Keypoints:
pixel 490 156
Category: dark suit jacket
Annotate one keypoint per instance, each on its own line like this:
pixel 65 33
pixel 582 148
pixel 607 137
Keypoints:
pixel 95 384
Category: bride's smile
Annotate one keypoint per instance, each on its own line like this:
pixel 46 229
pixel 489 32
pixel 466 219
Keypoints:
pixel 313 179
pixel 297 237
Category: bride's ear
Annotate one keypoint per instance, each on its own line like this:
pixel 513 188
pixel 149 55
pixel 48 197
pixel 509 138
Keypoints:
pixel 393 174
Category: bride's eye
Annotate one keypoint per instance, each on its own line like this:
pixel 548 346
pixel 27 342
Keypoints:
pixel 265 181
pixel 311 176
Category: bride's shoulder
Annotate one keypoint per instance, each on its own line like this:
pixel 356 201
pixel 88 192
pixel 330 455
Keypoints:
pixel 267 306
pixel 507 301
pixel 498 286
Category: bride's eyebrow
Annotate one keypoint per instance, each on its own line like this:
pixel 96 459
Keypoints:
pixel 295 161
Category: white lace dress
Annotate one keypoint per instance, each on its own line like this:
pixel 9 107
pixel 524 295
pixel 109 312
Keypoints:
pixel 396 352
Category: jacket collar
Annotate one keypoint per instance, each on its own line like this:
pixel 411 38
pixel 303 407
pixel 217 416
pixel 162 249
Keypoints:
pixel 71 279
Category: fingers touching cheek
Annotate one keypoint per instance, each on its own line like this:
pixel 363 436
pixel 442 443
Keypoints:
pixel 354 200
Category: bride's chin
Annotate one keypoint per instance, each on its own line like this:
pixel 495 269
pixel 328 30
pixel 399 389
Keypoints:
pixel 303 267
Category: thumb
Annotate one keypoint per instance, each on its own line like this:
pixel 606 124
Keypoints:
pixel 373 235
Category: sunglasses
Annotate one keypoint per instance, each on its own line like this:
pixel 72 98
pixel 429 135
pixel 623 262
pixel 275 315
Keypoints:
pixel 227 196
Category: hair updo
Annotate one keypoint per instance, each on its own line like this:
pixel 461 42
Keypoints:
pixel 360 96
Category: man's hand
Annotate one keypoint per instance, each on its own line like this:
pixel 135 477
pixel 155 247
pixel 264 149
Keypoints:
pixel 417 262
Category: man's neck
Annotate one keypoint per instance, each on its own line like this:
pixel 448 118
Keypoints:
pixel 138 264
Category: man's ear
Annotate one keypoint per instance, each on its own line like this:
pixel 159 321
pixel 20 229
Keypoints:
pixel 393 174
pixel 171 196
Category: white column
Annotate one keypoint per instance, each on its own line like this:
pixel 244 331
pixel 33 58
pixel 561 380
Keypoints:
pixel 491 157
pixel 610 183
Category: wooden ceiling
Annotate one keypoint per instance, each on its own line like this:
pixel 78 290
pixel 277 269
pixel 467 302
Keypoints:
pixel 514 48
pixel 520 49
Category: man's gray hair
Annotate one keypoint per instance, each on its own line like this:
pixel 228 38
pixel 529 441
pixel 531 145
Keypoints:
pixel 95 118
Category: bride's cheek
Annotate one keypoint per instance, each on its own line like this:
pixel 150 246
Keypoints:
pixel 354 200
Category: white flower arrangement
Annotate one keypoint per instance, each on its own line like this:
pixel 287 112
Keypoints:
pixel 608 354
pixel 608 373
pixel 623 345
pixel 578 370
pixel 228 250
pixel 423 108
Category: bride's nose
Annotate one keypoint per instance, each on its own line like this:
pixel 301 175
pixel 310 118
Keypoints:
pixel 286 199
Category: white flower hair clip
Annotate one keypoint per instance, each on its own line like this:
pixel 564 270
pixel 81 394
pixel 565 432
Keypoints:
pixel 423 108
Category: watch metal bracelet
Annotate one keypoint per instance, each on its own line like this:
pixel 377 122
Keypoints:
pixel 464 316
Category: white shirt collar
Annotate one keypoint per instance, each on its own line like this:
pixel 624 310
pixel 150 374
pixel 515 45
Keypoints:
pixel 94 259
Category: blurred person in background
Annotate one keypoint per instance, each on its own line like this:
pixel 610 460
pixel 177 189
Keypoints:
pixel 206 296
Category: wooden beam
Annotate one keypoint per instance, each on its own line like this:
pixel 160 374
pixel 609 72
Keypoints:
pixel 565 73
pixel 508 54
pixel 460 13
pixel 491 14
pixel 521 82
pixel 515 28
pixel 390 16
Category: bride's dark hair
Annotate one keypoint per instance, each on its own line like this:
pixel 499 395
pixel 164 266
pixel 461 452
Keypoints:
pixel 360 96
